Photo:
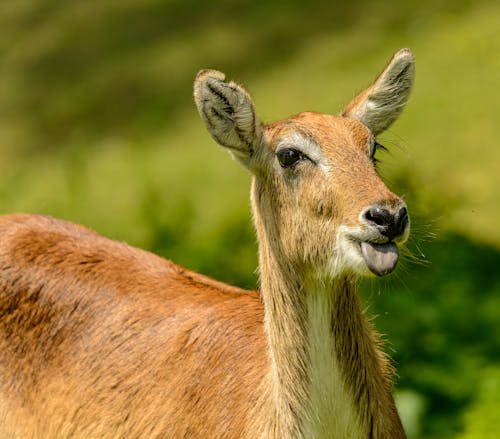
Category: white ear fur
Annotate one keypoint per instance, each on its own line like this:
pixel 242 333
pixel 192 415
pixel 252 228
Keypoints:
pixel 228 112
pixel 381 104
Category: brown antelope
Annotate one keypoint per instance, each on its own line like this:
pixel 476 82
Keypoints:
pixel 102 340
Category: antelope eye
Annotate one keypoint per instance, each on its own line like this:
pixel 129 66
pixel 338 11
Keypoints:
pixel 288 157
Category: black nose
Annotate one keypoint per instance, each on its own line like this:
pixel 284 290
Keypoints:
pixel 390 224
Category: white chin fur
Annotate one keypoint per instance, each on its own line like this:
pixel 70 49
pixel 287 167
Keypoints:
pixel 352 259
pixel 348 257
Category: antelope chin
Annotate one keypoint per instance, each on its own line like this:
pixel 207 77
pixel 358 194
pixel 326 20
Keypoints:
pixel 381 259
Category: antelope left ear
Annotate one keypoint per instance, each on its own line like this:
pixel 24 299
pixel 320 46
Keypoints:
pixel 229 114
pixel 381 104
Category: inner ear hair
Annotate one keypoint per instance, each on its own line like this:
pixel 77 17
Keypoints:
pixel 228 112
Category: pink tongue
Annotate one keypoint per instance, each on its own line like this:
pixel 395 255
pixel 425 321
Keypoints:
pixel 380 258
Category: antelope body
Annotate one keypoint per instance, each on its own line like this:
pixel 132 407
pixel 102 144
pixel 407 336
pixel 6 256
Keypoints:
pixel 102 340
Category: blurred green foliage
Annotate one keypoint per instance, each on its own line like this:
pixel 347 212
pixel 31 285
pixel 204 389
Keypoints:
pixel 443 325
pixel 482 420
pixel 98 126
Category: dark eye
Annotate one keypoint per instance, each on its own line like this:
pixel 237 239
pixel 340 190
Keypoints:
pixel 288 157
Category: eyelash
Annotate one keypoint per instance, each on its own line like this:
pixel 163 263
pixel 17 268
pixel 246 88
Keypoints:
pixel 376 147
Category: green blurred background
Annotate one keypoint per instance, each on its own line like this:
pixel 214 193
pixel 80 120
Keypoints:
pixel 98 126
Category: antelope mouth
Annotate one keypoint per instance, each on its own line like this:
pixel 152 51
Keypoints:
pixel 381 259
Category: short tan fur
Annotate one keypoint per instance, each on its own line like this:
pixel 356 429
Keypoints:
pixel 102 340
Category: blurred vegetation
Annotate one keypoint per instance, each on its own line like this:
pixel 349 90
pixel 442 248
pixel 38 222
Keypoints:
pixel 482 419
pixel 98 126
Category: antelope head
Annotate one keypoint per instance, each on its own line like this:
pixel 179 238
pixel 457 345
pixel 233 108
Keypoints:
pixel 318 201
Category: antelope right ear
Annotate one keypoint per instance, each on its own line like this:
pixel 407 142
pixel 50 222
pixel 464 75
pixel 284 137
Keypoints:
pixel 229 114
pixel 381 104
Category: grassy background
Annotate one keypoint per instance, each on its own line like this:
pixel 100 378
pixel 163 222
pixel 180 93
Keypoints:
pixel 98 126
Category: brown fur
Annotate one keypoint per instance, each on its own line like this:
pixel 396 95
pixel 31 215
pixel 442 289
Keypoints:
pixel 91 346
pixel 102 340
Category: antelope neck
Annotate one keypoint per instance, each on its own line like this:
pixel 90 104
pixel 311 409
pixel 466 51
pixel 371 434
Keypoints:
pixel 327 374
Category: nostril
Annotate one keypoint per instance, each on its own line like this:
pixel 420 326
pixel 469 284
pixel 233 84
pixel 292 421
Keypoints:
pixel 403 213
pixel 374 216
pixel 381 218
pixel 402 219
pixel 388 223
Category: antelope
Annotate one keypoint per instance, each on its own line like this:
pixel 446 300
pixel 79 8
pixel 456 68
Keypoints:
pixel 102 340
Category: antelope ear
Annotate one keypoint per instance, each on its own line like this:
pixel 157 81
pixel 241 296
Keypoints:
pixel 228 112
pixel 381 104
